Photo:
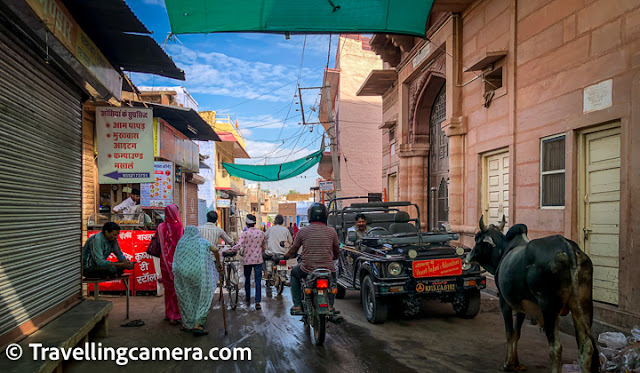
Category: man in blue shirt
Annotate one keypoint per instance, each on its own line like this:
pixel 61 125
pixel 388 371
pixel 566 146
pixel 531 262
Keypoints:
pixel 98 248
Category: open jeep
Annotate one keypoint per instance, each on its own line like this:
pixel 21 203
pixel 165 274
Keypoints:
pixel 397 265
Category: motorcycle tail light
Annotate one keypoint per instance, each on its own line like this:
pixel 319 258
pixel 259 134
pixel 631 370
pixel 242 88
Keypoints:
pixel 322 283
pixel 283 262
pixel 307 291
pixel 323 305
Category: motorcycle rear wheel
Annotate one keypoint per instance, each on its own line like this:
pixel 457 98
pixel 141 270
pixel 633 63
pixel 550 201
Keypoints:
pixel 319 329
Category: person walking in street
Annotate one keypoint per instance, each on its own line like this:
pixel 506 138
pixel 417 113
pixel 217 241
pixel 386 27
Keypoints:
pixel 170 233
pixel 212 233
pixel 320 247
pixel 295 230
pixel 195 279
pixel 96 251
pixel 252 244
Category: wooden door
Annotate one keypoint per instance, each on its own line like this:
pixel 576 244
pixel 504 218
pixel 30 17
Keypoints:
pixel 496 188
pixel 600 213
pixel 438 164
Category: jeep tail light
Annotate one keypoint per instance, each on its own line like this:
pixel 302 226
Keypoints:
pixel 283 262
pixel 322 283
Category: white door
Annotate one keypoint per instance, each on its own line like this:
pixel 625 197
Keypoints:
pixel 392 188
pixel 496 188
pixel 601 210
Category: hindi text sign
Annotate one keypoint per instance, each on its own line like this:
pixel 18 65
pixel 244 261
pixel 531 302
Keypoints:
pixel 125 145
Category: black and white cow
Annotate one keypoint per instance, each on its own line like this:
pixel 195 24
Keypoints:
pixel 544 278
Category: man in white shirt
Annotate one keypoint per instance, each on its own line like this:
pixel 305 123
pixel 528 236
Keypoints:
pixel 212 233
pixel 127 206
pixel 276 235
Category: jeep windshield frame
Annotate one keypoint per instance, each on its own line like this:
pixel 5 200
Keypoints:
pixel 370 207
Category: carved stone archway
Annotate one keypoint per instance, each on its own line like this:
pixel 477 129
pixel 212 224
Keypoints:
pixel 414 153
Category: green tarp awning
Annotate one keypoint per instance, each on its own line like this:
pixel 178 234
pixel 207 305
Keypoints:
pixel 273 172
pixel 299 16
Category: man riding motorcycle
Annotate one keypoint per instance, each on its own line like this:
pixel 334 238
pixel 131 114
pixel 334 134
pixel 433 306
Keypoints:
pixel 320 247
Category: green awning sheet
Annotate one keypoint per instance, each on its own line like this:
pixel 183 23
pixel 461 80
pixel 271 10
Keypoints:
pixel 273 172
pixel 299 16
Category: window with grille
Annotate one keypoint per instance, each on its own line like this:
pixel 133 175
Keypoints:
pixel 552 171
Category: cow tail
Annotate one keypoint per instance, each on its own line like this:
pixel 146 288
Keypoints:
pixel 581 300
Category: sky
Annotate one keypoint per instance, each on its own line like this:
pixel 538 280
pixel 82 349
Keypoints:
pixel 252 77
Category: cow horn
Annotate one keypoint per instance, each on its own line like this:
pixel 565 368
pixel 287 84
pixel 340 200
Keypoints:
pixel 482 226
pixel 502 223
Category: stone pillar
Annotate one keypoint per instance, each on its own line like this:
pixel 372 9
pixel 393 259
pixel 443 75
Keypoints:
pixel 403 179
pixel 455 129
pixel 416 159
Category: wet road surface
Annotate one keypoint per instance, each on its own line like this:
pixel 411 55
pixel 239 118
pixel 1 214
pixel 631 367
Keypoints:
pixel 436 341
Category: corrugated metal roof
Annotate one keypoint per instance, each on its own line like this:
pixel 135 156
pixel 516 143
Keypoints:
pixel 123 39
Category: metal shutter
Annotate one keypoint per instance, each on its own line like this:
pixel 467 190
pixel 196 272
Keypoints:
pixel 40 185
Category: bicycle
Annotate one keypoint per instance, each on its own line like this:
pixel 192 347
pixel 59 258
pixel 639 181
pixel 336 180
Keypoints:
pixel 230 280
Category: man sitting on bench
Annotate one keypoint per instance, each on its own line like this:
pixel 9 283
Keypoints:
pixel 96 251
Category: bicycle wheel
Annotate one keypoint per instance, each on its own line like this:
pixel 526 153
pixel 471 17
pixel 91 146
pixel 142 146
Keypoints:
pixel 232 286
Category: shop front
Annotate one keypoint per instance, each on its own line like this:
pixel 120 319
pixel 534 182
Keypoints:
pixel 161 163
pixel 55 66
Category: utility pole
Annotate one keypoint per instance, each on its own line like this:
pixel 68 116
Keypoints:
pixel 259 197
pixel 333 136
pixel 259 217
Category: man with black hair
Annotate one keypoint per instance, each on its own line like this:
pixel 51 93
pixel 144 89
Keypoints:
pixel 212 233
pixel 128 205
pixel 277 235
pixel 361 226
pixel 98 248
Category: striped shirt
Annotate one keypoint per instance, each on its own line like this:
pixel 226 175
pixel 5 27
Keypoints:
pixel 320 247
pixel 212 233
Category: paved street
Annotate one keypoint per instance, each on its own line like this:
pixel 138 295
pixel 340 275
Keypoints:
pixel 435 342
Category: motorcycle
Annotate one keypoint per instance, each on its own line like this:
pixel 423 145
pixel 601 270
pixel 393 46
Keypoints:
pixel 276 273
pixel 316 307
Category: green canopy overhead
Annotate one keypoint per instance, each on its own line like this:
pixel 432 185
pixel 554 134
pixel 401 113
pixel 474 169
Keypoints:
pixel 273 172
pixel 299 16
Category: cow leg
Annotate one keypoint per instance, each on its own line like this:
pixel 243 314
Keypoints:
pixel 512 335
pixel 520 317
pixel 551 321
pixel 589 359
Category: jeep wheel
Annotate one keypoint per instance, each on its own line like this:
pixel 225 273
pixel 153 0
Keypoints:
pixel 467 304
pixel 341 292
pixel 374 308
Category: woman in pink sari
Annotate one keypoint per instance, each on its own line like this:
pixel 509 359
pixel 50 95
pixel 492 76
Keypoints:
pixel 295 230
pixel 170 233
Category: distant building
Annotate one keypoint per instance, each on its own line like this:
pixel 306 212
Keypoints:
pixel 357 119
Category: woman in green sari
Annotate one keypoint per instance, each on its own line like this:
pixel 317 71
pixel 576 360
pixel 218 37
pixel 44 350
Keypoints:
pixel 195 279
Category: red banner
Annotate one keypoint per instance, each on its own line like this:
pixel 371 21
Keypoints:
pixel 437 267
pixel 145 275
